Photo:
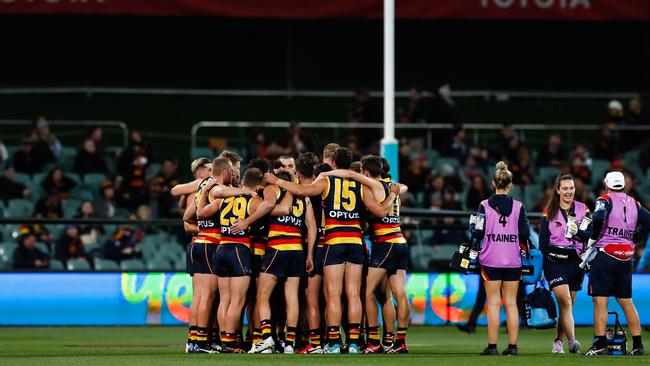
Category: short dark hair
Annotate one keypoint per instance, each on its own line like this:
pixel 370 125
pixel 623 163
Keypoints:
pixel 252 177
pixel 385 168
pixel 232 156
pixel 260 163
pixel 322 168
pixel 342 158
pixel 284 175
pixel 305 164
pixel 372 164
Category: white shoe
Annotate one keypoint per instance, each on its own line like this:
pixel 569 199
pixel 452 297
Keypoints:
pixel 255 348
pixel 558 346
pixel 288 349
pixel 265 346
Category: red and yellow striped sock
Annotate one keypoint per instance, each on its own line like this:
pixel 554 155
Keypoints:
pixel 291 336
pixel 373 335
pixel 401 336
pixel 202 336
pixel 388 340
pixel 354 332
pixel 191 336
pixel 266 328
pixel 314 337
pixel 257 335
pixel 333 335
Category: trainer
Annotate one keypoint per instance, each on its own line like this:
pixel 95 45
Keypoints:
pixel 565 227
pixel 505 227
pixel 615 223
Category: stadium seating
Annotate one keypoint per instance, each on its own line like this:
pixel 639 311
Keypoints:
pixel 199 152
pixel 547 174
pixel 132 265
pixel 66 158
pixel 105 265
pixel 19 208
pixel 56 265
pixel 158 265
pixel 43 248
pixel 421 255
pixel 70 207
pixel 78 265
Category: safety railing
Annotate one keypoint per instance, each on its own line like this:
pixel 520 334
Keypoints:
pixel 241 129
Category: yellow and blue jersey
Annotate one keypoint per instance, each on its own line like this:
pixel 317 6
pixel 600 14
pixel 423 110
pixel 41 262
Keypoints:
pixel 231 210
pixel 342 205
pixel 209 230
pixel 285 232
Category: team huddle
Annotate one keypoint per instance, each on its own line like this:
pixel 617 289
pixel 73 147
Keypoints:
pixel 284 245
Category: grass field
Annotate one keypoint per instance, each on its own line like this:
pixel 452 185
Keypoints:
pixel 163 346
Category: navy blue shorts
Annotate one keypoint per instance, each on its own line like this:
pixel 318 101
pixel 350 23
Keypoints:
pixel 500 274
pixel 256 264
pixel 200 258
pixel 389 256
pixel 564 273
pixel 232 260
pixel 610 277
pixel 283 263
pixel 344 253
pixel 319 258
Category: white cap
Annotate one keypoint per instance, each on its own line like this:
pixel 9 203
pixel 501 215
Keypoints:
pixel 615 180
pixel 615 104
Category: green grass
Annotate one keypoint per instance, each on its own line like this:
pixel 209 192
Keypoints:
pixel 163 346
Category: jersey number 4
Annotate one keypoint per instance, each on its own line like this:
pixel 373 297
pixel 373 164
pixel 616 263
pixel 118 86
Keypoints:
pixel 503 220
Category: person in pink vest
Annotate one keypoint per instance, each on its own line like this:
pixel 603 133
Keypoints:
pixel 503 231
pixel 615 222
pixel 564 230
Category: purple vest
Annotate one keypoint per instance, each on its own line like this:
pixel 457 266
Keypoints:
pixel 621 222
pixel 557 227
pixel 500 248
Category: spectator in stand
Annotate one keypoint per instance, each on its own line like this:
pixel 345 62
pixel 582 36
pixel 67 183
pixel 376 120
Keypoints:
pixel 447 232
pixel 502 142
pixel 442 106
pixel 607 146
pixel 615 113
pixel 69 245
pixel 40 232
pixel 95 134
pixel 49 207
pixel 581 164
pixel 457 147
pixel 583 193
pixel 44 134
pixel 57 181
pixel 123 244
pixel 161 201
pixel 9 188
pixel 88 233
pixel 636 116
pixel 27 255
pixel 257 146
pixel 478 191
pixel 23 159
pixel 416 174
pixel 554 154
pixel 88 160
pixel 104 207
pixel 353 145
pixel 41 150
pixel 435 185
pixel 364 109
pixel 418 109
pixel 132 166
pixel 299 139
pixel 4 154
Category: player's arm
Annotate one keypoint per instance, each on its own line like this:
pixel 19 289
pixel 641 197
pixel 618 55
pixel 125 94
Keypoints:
pixel 182 203
pixel 283 208
pixel 205 209
pixel 312 234
pixel 185 188
pixel 376 186
pixel 226 191
pixel 189 216
pixel 190 228
pixel 315 188
pixel 261 209
pixel 376 208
